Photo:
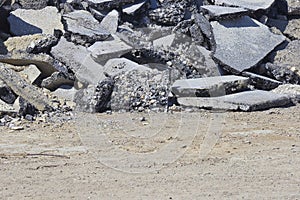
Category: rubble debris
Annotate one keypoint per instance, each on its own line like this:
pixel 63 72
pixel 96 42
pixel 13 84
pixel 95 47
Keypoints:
pixel 293 7
pixel 210 86
pixel 103 51
pixel 247 4
pixel 282 73
pixel 289 89
pixel 33 4
pixel 219 12
pixel 132 9
pixel 65 92
pixel 95 98
pixel 108 4
pixel 82 28
pixel 110 22
pixel 243 101
pixel 262 82
pixel 288 57
pixel 79 60
pixel 24 89
pixel 58 79
pixel 27 22
pixel 6 94
pixel 6 108
pixel 30 73
pixel 46 64
pixel 242 43
pixel 292 29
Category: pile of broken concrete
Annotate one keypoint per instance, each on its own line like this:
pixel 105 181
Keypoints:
pixel 147 55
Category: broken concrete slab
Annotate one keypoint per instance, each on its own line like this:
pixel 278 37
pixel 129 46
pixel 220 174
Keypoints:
pixel 292 30
pixel 108 4
pixel 30 73
pixel 221 12
pixel 243 42
pixel 27 22
pixel 117 66
pixel 110 22
pixel 6 108
pixel 6 94
pixel 165 42
pixel 132 9
pixel 247 4
pixel 262 82
pixel 289 57
pixel 81 28
pixel 33 4
pixel 243 101
pixel 78 59
pixel 46 64
pixel 293 7
pixel 58 79
pixel 25 90
pixel 103 51
pixel 210 86
pixel 65 92
pixel 289 89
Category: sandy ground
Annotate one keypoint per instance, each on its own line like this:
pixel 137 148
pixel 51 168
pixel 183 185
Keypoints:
pixel 203 155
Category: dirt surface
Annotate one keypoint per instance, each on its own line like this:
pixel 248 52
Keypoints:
pixel 202 155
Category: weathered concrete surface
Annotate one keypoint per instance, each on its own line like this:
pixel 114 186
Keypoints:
pixel 243 42
pixel 220 12
pixel 289 89
pixel 81 27
pixel 6 94
pixel 165 42
pixel 27 22
pixel 33 4
pixel 243 101
pixel 46 64
pixel 65 92
pixel 262 82
pixel 110 22
pixel 293 7
pixel 24 89
pixel 117 66
pixel 57 79
pixel 78 59
pixel 30 73
pixel 248 4
pixel 21 43
pixel 132 9
pixel 103 51
pixel 6 108
pixel 289 57
pixel 210 86
pixel 292 29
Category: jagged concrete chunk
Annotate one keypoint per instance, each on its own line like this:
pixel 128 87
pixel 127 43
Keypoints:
pixel 218 12
pixel 242 43
pixel 210 86
pixel 243 101
pixel 262 82
pixel 27 22
pixel 82 27
pixel 45 63
pixel 30 73
pixel 116 66
pixel 65 92
pixel 57 79
pixel 132 9
pixel 103 51
pixel 33 4
pixel 24 89
pixel 293 7
pixel 6 108
pixel 78 59
pixel 108 4
pixel 289 57
pixel 6 94
pixel 292 30
pixel 110 22
pixel 248 4
pixel 289 89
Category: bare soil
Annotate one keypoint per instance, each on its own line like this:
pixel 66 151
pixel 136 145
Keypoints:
pixel 180 155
